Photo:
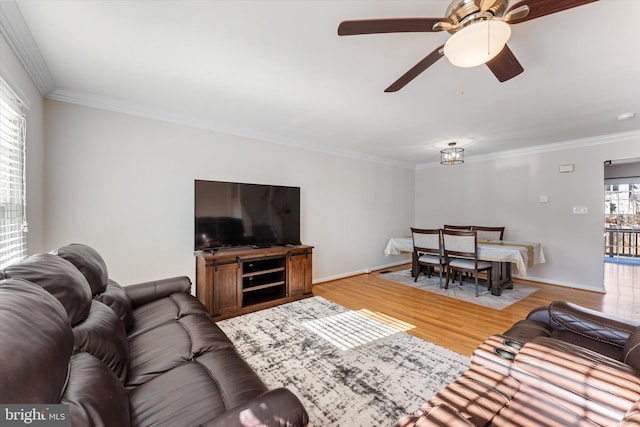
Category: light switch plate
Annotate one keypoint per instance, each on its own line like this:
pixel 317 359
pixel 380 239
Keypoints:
pixel 566 168
pixel 580 210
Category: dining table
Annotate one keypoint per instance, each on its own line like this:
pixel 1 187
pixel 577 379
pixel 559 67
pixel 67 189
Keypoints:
pixel 501 253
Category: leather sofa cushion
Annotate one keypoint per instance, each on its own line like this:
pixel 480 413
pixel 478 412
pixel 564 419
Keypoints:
pixel 171 344
pixel 102 334
pixel 36 343
pixel 163 310
pixel 478 394
pixel 600 388
pixel 233 374
pixel 89 262
pixel 531 408
pixel 94 395
pixel 212 384
pixel 116 298
pixel 632 417
pixel 60 278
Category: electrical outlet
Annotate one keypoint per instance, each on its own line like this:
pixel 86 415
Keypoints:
pixel 580 210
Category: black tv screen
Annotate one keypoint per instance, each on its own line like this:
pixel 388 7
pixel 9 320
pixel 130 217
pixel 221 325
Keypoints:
pixel 237 214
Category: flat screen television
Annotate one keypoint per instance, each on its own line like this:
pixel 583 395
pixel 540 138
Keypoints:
pixel 236 214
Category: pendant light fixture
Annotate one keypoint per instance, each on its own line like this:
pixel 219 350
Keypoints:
pixel 452 155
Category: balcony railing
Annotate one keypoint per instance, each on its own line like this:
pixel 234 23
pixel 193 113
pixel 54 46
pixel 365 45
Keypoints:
pixel 622 242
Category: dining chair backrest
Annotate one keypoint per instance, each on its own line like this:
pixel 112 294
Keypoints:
pixel 462 243
pixel 427 240
pixel 489 233
pixel 457 227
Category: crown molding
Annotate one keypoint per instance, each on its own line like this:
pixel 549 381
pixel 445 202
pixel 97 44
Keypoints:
pixel 16 32
pixel 546 148
pixel 119 106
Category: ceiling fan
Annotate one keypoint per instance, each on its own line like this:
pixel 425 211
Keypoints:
pixel 479 31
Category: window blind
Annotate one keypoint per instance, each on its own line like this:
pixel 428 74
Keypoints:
pixel 13 221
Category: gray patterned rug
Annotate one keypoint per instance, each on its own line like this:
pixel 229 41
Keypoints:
pixel 466 292
pixel 349 368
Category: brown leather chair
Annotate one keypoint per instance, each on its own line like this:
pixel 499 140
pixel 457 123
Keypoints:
pixel 428 251
pixel 461 254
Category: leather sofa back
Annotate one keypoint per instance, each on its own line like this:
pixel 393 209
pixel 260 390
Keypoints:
pixel 50 372
pixel 60 278
pixel 92 266
pixel 27 375
pixel 96 328
pixel 604 334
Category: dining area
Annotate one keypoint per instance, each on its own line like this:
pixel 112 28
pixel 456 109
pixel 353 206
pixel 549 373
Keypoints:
pixel 467 253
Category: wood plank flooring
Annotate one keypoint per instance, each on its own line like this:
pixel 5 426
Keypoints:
pixel 461 326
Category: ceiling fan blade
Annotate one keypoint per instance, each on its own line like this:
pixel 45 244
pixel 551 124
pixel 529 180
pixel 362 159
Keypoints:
pixel 517 14
pixel 397 25
pixel 538 8
pixel 424 63
pixel 484 5
pixel 505 66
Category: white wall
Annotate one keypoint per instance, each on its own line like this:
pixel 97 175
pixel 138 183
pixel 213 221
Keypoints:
pixel 16 76
pixel 124 185
pixel 506 192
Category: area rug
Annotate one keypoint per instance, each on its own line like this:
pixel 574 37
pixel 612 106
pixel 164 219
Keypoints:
pixel 466 292
pixel 349 368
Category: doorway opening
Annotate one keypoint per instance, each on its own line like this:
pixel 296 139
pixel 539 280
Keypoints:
pixel 621 223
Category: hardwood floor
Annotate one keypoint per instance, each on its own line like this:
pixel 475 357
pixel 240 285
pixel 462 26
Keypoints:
pixel 461 326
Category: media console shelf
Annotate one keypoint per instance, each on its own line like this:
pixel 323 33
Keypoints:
pixel 231 282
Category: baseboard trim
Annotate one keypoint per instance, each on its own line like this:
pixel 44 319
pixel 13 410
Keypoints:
pixel 560 283
pixel 357 272
pixel 516 276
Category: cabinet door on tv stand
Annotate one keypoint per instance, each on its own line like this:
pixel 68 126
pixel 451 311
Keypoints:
pixel 227 295
pixel 299 273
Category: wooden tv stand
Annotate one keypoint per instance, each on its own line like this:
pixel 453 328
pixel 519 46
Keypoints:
pixel 236 281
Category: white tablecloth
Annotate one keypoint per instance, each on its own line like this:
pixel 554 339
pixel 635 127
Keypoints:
pixel 522 254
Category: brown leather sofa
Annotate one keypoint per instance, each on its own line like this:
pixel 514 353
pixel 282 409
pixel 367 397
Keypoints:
pixel 564 365
pixel 140 355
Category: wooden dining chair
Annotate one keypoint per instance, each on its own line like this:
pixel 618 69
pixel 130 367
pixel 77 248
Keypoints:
pixel 428 251
pixel 457 227
pixel 489 233
pixel 461 255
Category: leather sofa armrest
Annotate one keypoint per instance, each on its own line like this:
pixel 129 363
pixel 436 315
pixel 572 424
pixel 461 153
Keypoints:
pixel 275 408
pixel 591 323
pixel 631 351
pixel 146 292
pixel 540 314
pixel 526 330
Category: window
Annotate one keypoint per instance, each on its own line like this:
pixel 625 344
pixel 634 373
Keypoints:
pixel 13 220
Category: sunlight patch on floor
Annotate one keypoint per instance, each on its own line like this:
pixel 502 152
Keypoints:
pixel 352 329
pixel 389 320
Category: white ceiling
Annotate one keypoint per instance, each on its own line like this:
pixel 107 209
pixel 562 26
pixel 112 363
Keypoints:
pixel 278 71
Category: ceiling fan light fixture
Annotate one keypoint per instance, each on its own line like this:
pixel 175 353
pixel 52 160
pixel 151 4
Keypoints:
pixel 452 155
pixel 477 43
